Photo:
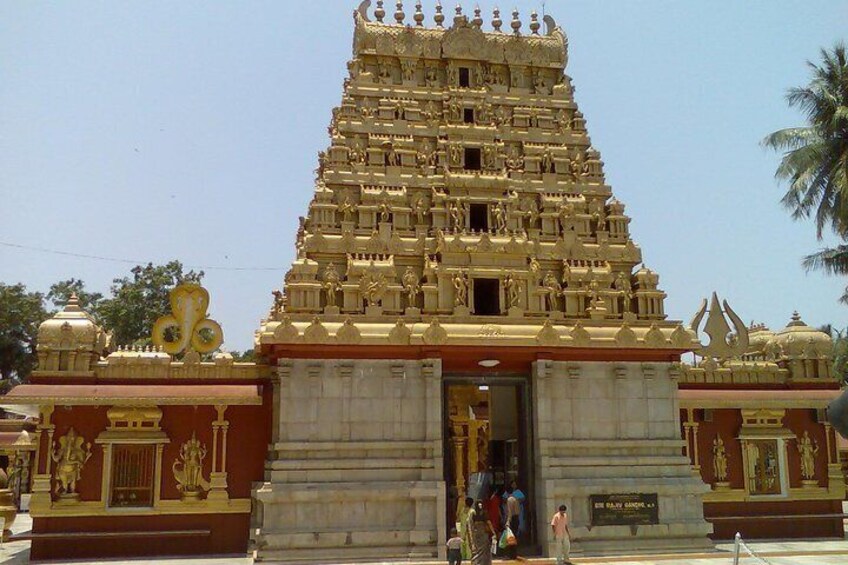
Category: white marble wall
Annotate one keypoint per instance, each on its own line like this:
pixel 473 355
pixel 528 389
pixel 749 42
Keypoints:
pixel 606 428
pixel 355 471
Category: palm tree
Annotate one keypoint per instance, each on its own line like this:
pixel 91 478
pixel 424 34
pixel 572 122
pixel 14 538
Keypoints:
pixel 815 158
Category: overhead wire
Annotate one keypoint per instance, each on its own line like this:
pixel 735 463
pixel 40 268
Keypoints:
pixel 129 261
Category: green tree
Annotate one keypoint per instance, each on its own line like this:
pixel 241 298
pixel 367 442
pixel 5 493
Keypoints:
pixel 21 313
pixel 61 292
pixel 246 356
pixel 137 301
pixel 815 158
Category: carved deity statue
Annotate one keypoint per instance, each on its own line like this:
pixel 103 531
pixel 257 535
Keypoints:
pixel 385 212
pixel 515 161
pixel 622 282
pixel 188 468
pixel 490 156
pixel 719 460
pixel 70 456
pixel 457 212
pixel 346 209
pixel 373 286
pixel 499 213
pixel 566 216
pixel 546 164
pixel 553 289
pixel 419 207
pixel 441 243
pixel 563 121
pixel 425 157
pixel 808 449
pixel 332 284
pixel 322 165
pixel 411 286
pixel 532 214
pixel 576 167
pixel 455 110
pixel 431 75
pixel 393 158
pixel 513 289
pixel 455 153
pixel 460 286
pixel 356 153
pixel 279 302
pixel 535 268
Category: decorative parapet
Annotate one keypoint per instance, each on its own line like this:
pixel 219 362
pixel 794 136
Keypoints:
pixel 465 39
pixel 734 373
pixel 448 331
pixel 150 363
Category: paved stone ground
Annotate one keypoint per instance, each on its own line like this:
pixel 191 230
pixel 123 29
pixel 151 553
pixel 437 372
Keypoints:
pixel 829 552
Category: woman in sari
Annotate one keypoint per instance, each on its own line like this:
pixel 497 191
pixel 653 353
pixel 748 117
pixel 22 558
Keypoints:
pixel 482 534
pixel 464 530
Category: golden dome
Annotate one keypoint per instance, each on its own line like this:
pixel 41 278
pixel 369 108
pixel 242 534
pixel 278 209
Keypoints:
pixel 71 328
pixel 758 336
pixel 71 331
pixel 798 339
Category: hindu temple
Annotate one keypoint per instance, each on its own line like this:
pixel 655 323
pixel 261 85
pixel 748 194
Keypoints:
pixel 466 311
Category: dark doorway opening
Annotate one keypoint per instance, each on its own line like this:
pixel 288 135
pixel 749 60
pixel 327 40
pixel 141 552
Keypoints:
pixel 472 158
pixel 488 444
pixel 487 297
pixel 468 115
pixel 479 217
pixel 464 77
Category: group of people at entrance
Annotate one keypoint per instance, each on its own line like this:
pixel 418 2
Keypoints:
pixel 494 526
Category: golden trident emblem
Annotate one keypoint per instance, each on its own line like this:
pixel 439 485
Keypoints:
pixel 723 342
pixel 190 328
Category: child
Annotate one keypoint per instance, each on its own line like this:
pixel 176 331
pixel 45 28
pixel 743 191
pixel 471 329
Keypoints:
pixel 454 548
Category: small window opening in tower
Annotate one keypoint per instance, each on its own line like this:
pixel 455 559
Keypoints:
pixel 464 77
pixel 472 158
pixel 479 217
pixel 468 115
pixel 487 297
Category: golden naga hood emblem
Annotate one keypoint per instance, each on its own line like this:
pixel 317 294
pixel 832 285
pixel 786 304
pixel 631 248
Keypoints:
pixel 724 343
pixel 187 327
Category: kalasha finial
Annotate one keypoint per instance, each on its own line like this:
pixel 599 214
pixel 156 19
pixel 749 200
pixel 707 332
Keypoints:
pixel 534 23
pixel 516 23
pixel 379 12
pixel 73 303
pixel 478 19
pixel 458 17
pixel 419 15
pixel 439 18
pixel 497 22
pixel 399 15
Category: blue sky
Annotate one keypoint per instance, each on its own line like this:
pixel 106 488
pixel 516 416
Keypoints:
pixel 155 130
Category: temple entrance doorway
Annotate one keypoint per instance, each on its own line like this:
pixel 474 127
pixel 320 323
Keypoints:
pixel 488 448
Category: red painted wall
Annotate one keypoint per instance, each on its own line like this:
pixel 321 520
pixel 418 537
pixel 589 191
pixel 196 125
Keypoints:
pixel 770 520
pixel 213 534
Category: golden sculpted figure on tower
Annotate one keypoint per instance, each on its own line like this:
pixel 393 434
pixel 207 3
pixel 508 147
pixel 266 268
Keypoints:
pixel 189 327
pixel 70 456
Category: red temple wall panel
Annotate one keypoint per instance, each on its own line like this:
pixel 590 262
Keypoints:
pixel 771 520
pixel 116 536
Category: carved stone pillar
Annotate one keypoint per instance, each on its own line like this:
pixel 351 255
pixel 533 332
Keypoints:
pixel 218 476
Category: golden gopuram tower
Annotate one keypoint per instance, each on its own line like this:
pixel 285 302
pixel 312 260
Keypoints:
pixel 467 312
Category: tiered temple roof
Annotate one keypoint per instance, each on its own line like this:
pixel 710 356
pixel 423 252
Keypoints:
pixel 461 201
